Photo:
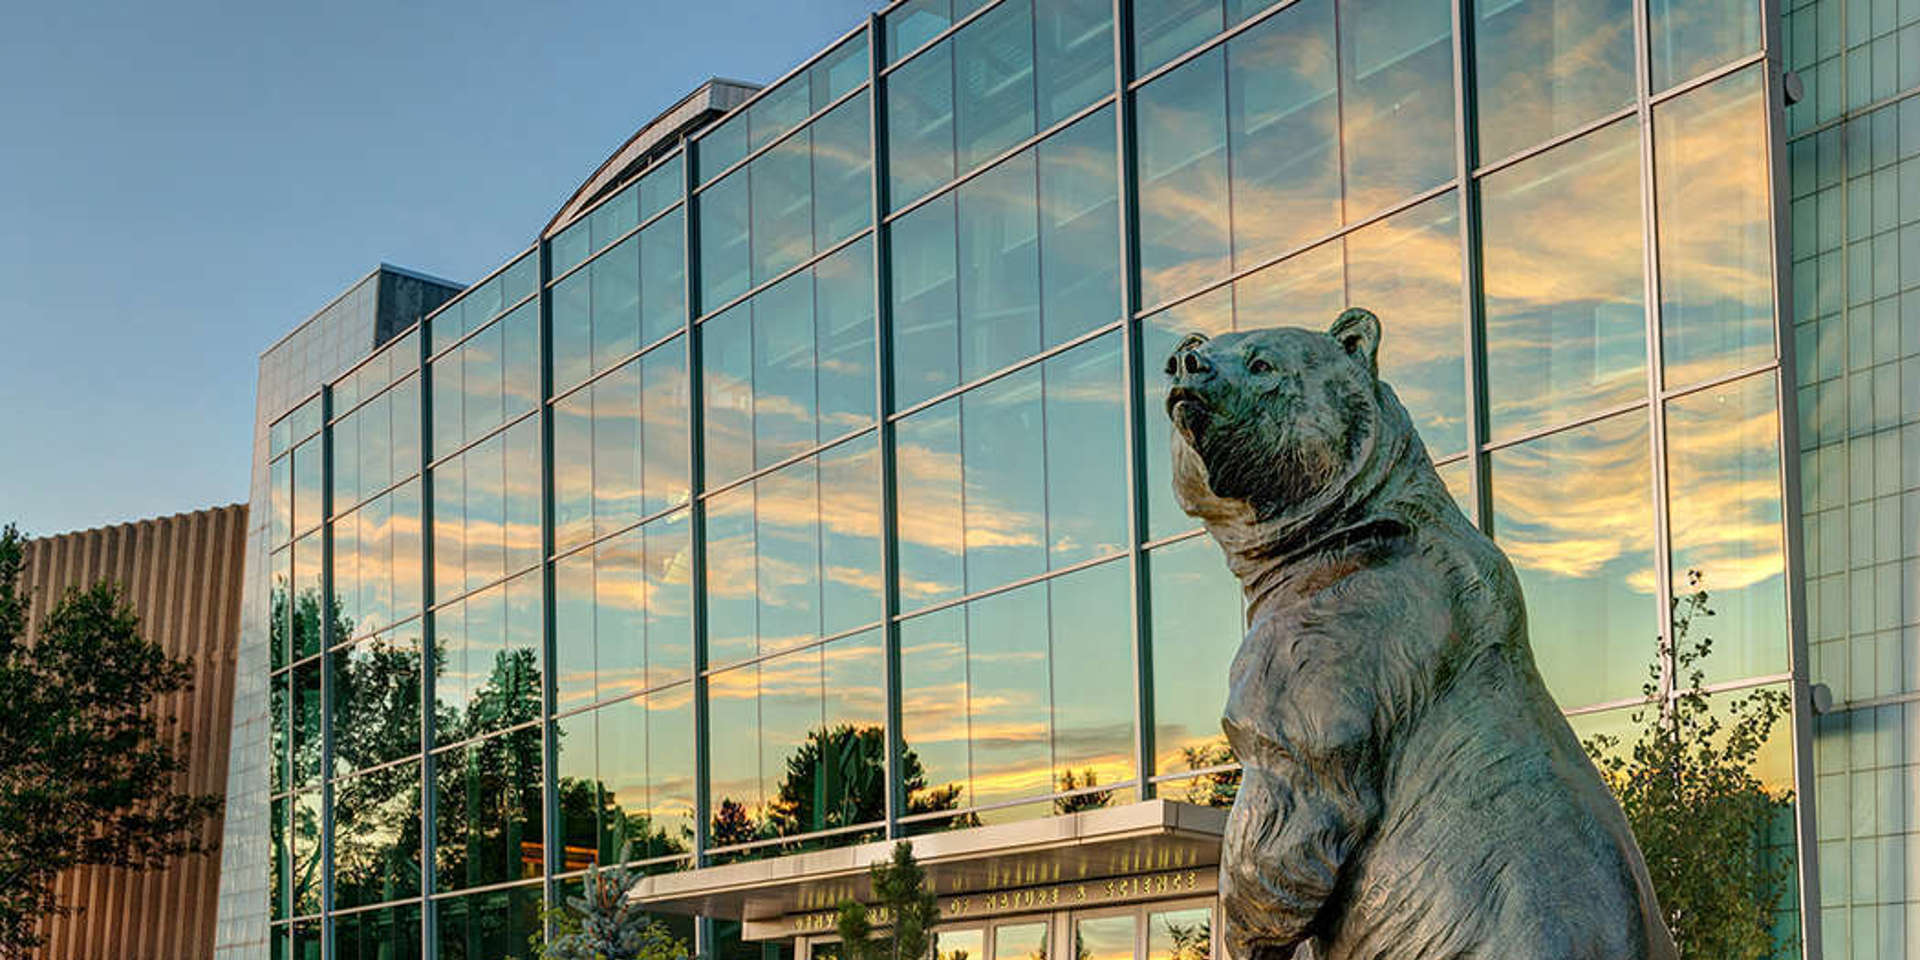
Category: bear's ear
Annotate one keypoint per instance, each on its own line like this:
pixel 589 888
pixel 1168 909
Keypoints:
pixel 1358 332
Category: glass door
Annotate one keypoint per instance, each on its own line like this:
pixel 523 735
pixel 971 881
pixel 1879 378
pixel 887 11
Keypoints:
pixel 1180 932
pixel 1113 936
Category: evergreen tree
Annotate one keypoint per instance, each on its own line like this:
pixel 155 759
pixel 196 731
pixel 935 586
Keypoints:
pixel 908 910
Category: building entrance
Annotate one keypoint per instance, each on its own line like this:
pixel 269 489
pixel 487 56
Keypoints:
pixel 1160 930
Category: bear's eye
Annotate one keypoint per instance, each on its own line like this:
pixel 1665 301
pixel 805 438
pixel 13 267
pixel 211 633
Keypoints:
pixel 1259 365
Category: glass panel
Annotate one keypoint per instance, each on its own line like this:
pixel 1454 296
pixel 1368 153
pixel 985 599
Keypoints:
pixel 726 371
pixel 933 725
pixel 1004 480
pixel 1283 121
pixel 920 112
pixel 572 324
pixel 1691 37
pixel 1180 934
pixel 1566 333
pixel 842 69
pixel 279 858
pixel 1009 702
pixel 308 478
pixel 1020 941
pixel 1723 471
pixel 782 206
pixel 483 926
pixel 620 447
pixel 1182 132
pixel 1544 67
pixel 993 83
pixel 723 241
pixel 1085 442
pixel 613 280
pixel 1197 623
pixel 733 710
pixel 842 174
pixel 784 413
pixel 844 327
pixel 925 304
pixel 1716 239
pixel 663 277
pixel 1584 552
pixel 854 738
pixel 927 458
pixel 732 613
pixel 281 498
pixel 1406 269
pixel 999 264
pixel 1104 938
pixel 670 752
pixel 1091 617
pixel 307 563
pixel 280 710
pixel 1073 56
pixel 792 766
pixel 1163 29
pixel 722 146
pixel 305 862
pixel 1079 228
pixel 487 824
pixel 668 587
pixel 1396 100
pixel 389 934
pixel 959 944
pixel 787 538
pixel 376 836
pixel 662 186
pixel 778 111
pixel 487 660
pixel 376 700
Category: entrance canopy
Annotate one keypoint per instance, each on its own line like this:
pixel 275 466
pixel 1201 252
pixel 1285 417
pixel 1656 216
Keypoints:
pixel 1142 851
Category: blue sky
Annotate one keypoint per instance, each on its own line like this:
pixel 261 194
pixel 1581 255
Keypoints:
pixel 181 183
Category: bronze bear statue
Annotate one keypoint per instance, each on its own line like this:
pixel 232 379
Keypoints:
pixel 1410 789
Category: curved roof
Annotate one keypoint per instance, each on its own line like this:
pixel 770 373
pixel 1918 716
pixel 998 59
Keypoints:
pixel 659 136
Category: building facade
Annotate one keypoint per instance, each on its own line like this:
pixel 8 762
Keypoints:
pixel 804 484
pixel 182 576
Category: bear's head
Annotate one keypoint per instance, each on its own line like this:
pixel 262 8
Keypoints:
pixel 1282 428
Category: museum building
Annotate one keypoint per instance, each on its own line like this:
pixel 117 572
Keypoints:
pixel 804 485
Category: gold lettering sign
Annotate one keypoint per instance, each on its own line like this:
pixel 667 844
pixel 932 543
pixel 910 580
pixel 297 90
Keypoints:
pixel 1057 896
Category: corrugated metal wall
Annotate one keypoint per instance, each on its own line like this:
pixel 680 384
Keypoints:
pixel 182 574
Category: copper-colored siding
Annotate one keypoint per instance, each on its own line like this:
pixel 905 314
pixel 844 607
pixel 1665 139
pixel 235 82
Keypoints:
pixel 182 574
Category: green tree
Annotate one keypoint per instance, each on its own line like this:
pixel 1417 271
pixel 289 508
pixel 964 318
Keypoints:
pixel 1700 815
pixel 907 909
pixel 87 764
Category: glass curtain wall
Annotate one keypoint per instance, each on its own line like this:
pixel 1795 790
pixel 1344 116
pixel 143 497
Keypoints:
pixel 812 488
